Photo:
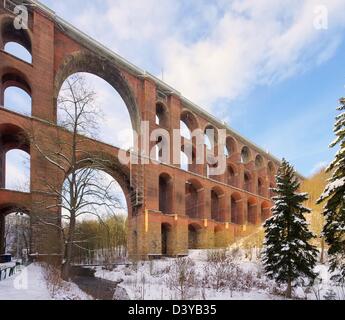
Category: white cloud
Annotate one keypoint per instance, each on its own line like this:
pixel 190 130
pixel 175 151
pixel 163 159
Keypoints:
pixel 115 126
pixel 220 49
pixel 253 43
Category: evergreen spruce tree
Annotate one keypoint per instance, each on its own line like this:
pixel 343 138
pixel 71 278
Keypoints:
pixel 334 195
pixel 288 255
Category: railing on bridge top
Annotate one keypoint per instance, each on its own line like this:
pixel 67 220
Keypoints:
pixel 8 269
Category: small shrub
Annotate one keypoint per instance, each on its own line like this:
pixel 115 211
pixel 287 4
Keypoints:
pixel 182 277
pixel 216 255
pixel 52 276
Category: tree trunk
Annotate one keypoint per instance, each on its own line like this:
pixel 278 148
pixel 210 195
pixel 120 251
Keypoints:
pixel 322 255
pixel 66 266
pixel 289 289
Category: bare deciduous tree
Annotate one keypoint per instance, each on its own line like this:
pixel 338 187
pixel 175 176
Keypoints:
pixel 86 192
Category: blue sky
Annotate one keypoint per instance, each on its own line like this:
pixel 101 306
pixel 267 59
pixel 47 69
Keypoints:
pixel 266 67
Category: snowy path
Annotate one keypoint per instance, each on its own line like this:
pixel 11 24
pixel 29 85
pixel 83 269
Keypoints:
pixel 28 284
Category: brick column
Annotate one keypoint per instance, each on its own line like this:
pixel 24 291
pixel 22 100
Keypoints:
pixel 42 78
pixel 226 207
pixel 174 112
pixel 179 195
pixel 204 205
pixel 180 237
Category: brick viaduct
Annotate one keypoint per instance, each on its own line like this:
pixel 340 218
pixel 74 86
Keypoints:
pixel 169 209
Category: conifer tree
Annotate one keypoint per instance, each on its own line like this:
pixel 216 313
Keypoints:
pixel 334 195
pixel 288 255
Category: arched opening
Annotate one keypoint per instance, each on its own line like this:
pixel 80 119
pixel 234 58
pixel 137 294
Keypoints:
pixel 245 155
pixel 252 211
pixel 100 215
pixel 210 137
pixel 18 51
pixel 216 204
pixel 17 235
pixel 259 162
pixel 14 158
pixel 166 239
pixel 16 94
pixel 16 42
pixel 265 211
pixel 247 182
pixel 230 147
pixel 188 124
pixel 86 62
pixel 17 100
pixel 236 209
pixel 165 194
pixel 261 187
pixel 17 171
pixel 270 169
pixel 231 176
pixel 194 199
pixel 194 231
pixel 162 117
pixel 112 122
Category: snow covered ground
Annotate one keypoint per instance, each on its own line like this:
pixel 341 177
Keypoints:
pixel 243 279
pixel 30 284
pixel 151 281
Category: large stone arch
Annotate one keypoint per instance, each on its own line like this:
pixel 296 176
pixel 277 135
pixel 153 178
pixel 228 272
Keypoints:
pixel 84 61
